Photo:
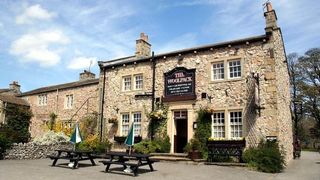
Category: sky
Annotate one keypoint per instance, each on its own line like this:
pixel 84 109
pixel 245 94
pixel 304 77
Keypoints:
pixel 48 42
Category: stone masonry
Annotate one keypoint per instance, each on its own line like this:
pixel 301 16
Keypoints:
pixel 85 101
pixel 261 93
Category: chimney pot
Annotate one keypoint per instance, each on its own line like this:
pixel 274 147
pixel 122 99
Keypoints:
pixel 269 6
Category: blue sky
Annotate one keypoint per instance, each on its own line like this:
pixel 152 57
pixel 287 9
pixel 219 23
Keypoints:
pixel 48 42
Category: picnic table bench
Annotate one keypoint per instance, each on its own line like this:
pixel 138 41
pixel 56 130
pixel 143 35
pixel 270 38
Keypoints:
pixel 133 160
pixel 72 156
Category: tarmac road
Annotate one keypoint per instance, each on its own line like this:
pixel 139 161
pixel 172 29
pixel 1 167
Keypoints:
pixel 306 168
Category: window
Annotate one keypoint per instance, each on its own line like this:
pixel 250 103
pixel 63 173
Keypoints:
pixel 137 123
pixel 125 124
pixel 138 82
pixel 42 99
pixel 69 101
pixel 234 69
pixel 217 71
pixel 227 126
pixel 218 126
pixel 127 83
pixel 236 124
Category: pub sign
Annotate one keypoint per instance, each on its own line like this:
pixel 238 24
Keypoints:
pixel 179 84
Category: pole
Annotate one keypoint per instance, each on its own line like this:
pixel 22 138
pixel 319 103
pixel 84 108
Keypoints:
pixel 102 102
pixel 153 90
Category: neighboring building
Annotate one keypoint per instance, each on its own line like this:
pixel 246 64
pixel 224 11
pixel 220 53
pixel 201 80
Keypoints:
pixel 8 98
pixel 245 81
pixel 69 101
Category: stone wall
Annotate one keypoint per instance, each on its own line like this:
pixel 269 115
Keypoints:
pixel 33 150
pixel 56 104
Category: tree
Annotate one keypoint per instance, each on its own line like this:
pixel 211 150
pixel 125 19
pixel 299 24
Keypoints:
pixel 17 123
pixel 306 80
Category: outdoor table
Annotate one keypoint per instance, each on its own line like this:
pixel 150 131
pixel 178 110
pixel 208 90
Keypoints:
pixel 134 160
pixel 73 155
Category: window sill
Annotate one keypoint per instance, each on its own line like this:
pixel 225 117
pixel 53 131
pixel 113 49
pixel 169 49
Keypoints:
pixel 226 80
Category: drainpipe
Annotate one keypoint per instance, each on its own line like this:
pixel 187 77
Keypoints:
pixel 153 89
pixel 102 102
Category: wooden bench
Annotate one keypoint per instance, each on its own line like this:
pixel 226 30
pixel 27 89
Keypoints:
pixel 133 166
pixel 72 156
pixel 225 148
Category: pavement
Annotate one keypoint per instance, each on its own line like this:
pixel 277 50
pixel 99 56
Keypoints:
pixel 305 168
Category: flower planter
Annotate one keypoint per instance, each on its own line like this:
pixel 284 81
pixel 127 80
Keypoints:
pixel 220 149
pixel 195 155
pixel 227 143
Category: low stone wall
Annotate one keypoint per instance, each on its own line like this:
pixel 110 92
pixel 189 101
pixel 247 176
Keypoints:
pixel 33 150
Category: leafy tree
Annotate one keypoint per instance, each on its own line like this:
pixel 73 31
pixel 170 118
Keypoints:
pixel 17 123
pixel 305 81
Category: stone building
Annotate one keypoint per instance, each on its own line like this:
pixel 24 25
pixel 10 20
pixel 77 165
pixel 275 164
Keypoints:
pixel 70 101
pixel 8 98
pixel 245 82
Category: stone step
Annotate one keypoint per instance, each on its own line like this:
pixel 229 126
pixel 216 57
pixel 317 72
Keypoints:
pixel 169 158
pixel 178 155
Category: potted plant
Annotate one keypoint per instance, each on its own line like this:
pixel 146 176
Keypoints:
pixel 193 149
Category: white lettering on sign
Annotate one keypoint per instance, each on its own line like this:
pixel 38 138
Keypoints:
pixel 180 80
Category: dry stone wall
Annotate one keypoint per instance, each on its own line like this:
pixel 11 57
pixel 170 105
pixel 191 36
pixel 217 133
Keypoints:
pixel 33 151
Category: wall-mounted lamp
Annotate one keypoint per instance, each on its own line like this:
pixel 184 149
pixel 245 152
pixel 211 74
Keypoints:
pixel 195 125
pixel 205 96
pixel 117 109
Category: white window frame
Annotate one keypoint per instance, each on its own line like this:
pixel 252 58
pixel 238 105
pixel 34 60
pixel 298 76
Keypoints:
pixel 126 85
pixel 236 127
pixel 233 124
pixel 69 101
pixel 138 83
pixel 235 69
pixel 217 71
pixel 137 118
pixel 125 122
pixel 219 127
pixel 42 99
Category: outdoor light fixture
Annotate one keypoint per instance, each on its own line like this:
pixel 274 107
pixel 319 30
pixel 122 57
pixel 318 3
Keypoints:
pixel 195 125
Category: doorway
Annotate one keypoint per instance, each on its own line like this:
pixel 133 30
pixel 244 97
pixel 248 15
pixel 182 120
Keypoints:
pixel 181 136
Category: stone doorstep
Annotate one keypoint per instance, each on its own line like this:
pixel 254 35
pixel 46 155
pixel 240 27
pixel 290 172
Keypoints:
pixel 183 155
pixel 168 158
pixel 227 164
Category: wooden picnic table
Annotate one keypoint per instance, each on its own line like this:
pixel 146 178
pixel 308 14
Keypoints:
pixel 134 160
pixel 73 156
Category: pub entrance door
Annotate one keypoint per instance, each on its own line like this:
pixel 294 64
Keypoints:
pixel 181 136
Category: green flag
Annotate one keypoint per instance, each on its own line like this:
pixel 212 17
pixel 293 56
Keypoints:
pixel 130 138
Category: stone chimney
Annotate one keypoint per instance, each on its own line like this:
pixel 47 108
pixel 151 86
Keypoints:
pixel 143 48
pixel 271 18
pixel 86 75
pixel 15 87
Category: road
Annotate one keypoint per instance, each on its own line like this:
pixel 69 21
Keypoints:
pixel 306 168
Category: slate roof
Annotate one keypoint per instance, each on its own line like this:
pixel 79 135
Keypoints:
pixel 133 59
pixel 13 99
pixel 60 86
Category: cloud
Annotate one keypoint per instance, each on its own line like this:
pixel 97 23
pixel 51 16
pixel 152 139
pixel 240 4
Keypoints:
pixel 35 12
pixel 40 47
pixel 82 62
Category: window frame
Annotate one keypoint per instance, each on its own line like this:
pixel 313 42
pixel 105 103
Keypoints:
pixel 213 70
pixel 135 81
pixel 42 99
pixel 226 69
pixel 234 72
pixel 126 124
pixel 228 124
pixel 67 99
pixel 124 83
pixel 218 125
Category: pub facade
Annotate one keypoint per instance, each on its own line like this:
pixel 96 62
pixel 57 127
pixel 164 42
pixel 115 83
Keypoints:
pixel 244 82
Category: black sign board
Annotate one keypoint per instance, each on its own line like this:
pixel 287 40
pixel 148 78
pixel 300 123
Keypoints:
pixel 180 84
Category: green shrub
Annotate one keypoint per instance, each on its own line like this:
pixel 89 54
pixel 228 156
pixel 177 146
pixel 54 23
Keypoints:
pixel 267 157
pixel 92 143
pixel 147 147
pixel 193 145
pixel 164 144
pixel 5 144
pixel 203 131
